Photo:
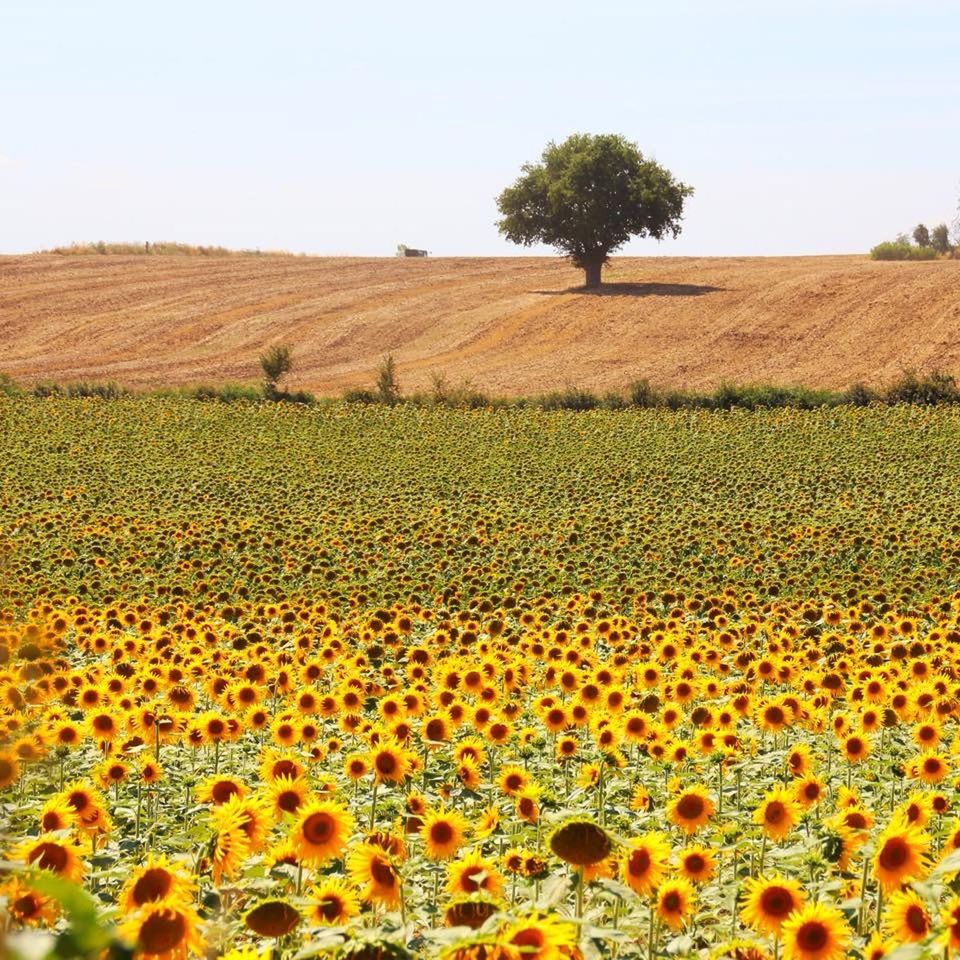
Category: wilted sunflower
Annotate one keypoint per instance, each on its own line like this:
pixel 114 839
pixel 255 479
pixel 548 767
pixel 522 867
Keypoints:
pixel 272 918
pixel 768 902
pixel 815 932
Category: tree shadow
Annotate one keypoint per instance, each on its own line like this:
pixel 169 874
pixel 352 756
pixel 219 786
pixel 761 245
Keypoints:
pixel 638 290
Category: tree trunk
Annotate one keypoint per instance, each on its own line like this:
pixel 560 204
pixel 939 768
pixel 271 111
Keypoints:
pixel 592 271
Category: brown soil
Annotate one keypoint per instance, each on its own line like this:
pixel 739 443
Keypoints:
pixel 510 326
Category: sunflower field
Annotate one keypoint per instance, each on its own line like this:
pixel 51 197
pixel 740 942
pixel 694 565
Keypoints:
pixel 493 685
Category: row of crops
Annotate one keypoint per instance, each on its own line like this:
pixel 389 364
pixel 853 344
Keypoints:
pixel 387 683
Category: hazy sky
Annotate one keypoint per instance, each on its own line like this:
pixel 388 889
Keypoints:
pixel 349 127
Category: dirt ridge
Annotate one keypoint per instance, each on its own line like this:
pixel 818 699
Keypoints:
pixel 511 326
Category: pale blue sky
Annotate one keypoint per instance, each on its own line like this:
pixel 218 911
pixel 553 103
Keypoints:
pixel 350 127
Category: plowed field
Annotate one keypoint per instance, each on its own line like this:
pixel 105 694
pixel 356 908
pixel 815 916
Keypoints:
pixel 510 325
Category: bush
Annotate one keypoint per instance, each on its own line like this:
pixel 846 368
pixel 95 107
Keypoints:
pixel 901 250
pixel 361 396
pixel 8 388
pixel 570 398
pixel 860 395
pixel 228 393
pixel 926 390
pixel 388 387
pixel 642 394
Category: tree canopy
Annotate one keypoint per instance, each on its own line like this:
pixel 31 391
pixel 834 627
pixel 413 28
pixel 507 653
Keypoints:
pixel 587 196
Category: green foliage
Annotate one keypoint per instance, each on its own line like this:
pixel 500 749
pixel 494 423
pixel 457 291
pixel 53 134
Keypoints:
pixel 940 239
pixel 921 235
pixel 570 398
pixel 923 389
pixel 228 393
pixel 388 386
pixel 276 362
pixel 901 250
pixel 588 196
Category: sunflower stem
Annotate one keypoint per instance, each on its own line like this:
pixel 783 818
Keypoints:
pixel 373 804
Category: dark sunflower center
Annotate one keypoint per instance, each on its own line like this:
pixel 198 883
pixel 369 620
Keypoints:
pixel 162 932
pixel 690 806
pixel 894 854
pixel 916 920
pixel 318 828
pixel 49 856
pixel 812 936
pixel 776 902
pixel 153 885
pixel 441 832
pixel 775 812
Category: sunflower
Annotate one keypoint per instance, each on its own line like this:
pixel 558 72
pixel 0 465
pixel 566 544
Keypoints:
pixel 528 805
pixel 512 780
pixel 470 911
pixel 580 842
pixel 697 864
pixel 333 902
pixel 950 918
pixel 901 855
pixel 57 814
pixel 28 906
pixel 808 792
pixel 644 864
pixel 9 768
pixel 374 872
pixel 253 815
pixel 906 917
pixel 217 790
pixel 877 947
pixel 164 930
pixel 540 937
pixel 443 833
pixel 690 810
pixel 815 932
pixel 675 902
pixel 158 879
pixel 768 902
pixel 856 748
pixel 474 874
pixel 50 852
pixel 287 795
pixel 272 918
pixel 321 831
pixel 931 768
pixel 390 763
pixel 231 846
pixel 356 766
pixel 284 764
pixel 777 813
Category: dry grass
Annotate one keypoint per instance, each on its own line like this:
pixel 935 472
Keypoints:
pixel 511 326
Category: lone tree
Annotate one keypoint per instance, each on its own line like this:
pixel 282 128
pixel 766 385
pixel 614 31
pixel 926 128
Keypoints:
pixel 277 361
pixel 921 235
pixel 588 196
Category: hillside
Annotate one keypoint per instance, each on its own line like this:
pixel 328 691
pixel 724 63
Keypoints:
pixel 510 325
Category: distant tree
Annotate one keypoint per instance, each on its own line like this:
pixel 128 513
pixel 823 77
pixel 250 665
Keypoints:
pixel 940 238
pixel 921 235
pixel 388 387
pixel 276 362
pixel 588 196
